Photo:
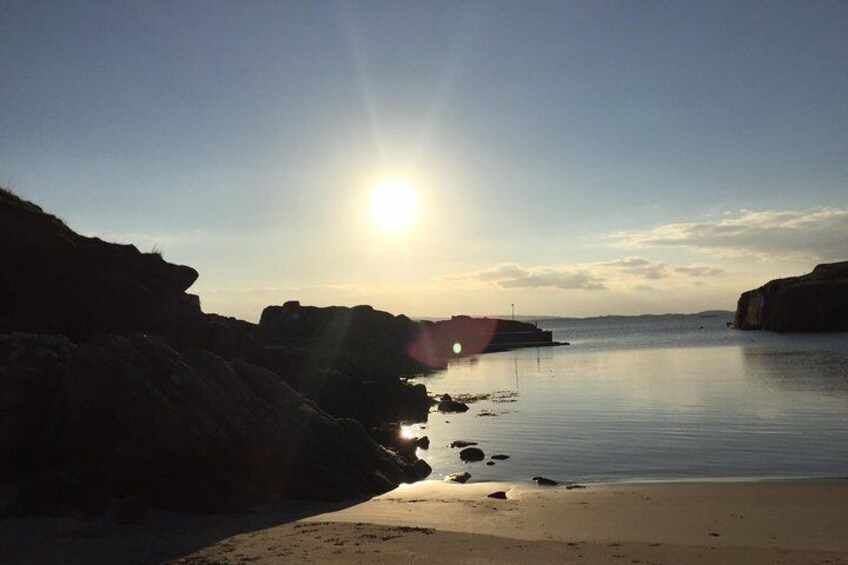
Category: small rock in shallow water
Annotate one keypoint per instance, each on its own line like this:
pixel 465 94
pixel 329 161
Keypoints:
pixel 448 404
pixel 462 443
pixel 500 456
pixel 572 487
pixel 542 481
pixel 459 477
pixel 500 495
pixel 472 454
pixel 423 442
pixel 490 463
pixel 420 470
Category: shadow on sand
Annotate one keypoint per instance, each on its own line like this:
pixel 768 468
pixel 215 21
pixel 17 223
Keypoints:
pixel 161 537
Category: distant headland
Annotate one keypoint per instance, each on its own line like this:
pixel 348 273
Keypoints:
pixel 816 302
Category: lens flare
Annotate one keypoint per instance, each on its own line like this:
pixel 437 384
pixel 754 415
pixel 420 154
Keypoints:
pixel 457 348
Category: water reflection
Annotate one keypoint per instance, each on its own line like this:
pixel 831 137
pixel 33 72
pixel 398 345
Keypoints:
pixel 688 412
pixel 798 370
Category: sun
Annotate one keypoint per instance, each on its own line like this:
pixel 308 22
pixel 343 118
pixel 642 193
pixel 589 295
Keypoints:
pixel 394 205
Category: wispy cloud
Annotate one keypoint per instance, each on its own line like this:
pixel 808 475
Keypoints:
pixel 636 267
pixel 511 275
pixel 819 234
pixel 584 276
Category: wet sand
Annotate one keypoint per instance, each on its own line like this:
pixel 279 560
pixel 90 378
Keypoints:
pixel 788 522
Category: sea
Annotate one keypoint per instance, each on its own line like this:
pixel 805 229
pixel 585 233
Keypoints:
pixel 648 399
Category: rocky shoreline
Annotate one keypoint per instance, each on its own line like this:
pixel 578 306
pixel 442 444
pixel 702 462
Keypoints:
pixel 117 389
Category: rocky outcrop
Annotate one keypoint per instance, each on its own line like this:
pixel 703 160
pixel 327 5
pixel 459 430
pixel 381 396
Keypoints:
pixel 358 340
pixel 816 302
pixel 114 382
pixel 56 281
pixel 449 405
pixel 348 360
pixel 130 416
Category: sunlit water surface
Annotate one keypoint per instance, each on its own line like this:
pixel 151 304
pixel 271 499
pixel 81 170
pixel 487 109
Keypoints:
pixel 651 400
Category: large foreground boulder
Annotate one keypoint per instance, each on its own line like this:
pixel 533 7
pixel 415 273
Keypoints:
pixel 187 431
pixel 348 360
pixel 816 302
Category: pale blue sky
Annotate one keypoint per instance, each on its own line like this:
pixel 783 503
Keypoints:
pixel 549 142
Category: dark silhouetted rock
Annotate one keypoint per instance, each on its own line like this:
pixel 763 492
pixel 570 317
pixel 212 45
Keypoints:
pixel 358 340
pixel 131 416
pixel 500 495
pixel 128 510
pixel 56 281
pixel 472 454
pixel 459 477
pixel 418 471
pixel 423 442
pixel 58 492
pixel 490 463
pixel 542 481
pixel 462 443
pixel 348 360
pixel 500 456
pixel 390 435
pixel 816 302
pixel 371 402
pixel 574 487
pixel 448 404
pixel 201 411
pixel 387 433
pixel 230 338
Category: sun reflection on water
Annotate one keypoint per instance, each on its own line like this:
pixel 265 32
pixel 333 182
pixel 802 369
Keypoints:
pixel 406 432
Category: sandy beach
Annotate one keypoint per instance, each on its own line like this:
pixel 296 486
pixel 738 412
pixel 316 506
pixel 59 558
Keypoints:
pixel 787 522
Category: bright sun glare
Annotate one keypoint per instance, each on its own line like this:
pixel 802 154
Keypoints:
pixel 394 205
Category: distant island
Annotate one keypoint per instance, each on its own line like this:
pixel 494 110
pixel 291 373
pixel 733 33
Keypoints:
pixel 816 302
pixel 642 317
pixel 547 318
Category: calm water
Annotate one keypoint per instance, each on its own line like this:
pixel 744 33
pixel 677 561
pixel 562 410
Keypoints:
pixel 657 399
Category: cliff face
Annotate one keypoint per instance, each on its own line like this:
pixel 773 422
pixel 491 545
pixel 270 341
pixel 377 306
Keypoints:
pixel 817 302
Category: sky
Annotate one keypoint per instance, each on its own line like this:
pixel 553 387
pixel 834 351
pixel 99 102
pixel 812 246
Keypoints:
pixel 570 158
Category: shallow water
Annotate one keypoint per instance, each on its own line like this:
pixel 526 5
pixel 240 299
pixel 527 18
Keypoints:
pixel 645 400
